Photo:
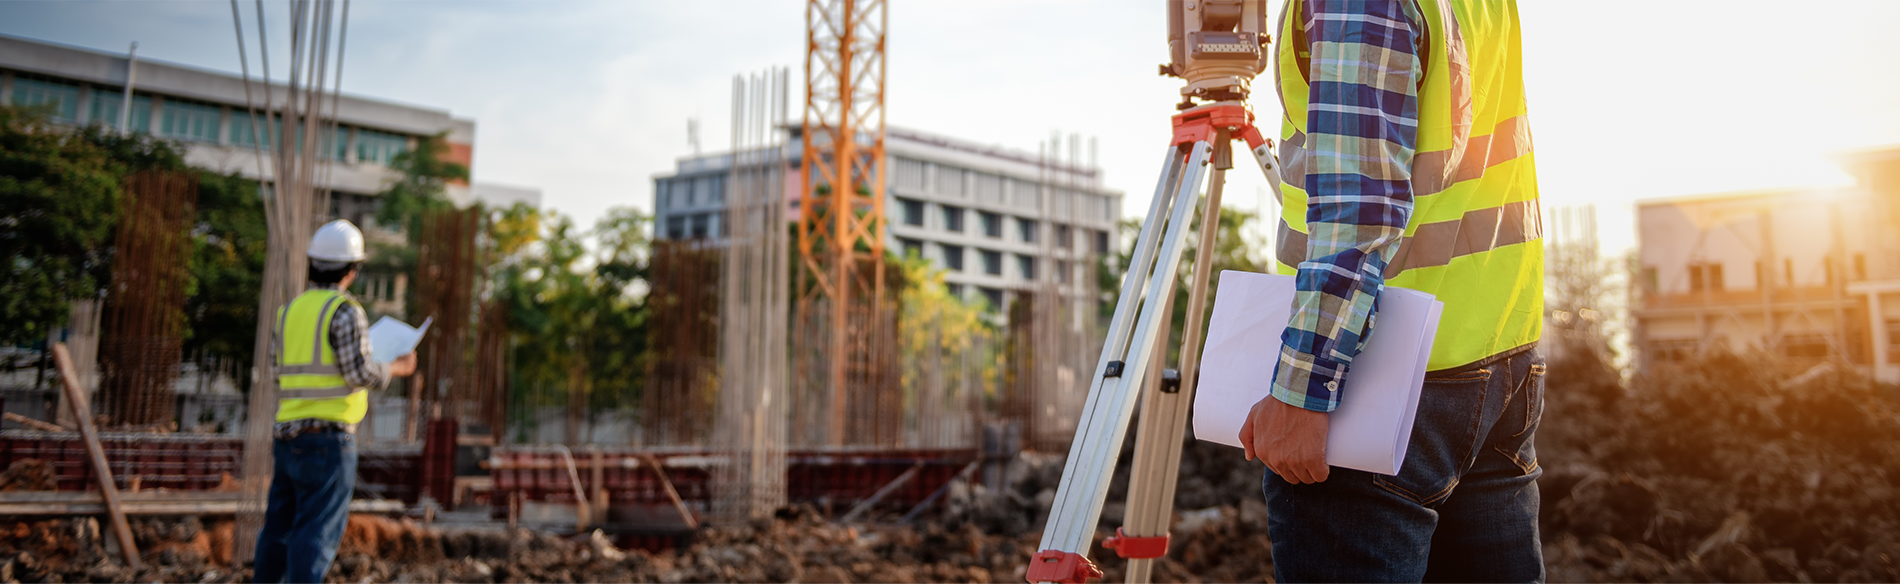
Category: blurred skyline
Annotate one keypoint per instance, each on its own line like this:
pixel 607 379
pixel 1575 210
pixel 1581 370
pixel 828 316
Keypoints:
pixel 589 100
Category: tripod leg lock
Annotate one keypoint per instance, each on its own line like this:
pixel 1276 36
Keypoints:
pixel 1137 548
pixel 1170 381
pixel 1114 369
pixel 1061 566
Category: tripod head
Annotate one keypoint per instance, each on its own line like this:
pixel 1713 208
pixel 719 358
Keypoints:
pixel 1218 46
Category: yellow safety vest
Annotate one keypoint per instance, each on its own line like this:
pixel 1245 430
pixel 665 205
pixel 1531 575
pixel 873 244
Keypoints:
pixel 1475 236
pixel 309 383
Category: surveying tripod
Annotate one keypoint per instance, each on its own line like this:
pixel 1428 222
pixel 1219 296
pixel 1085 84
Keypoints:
pixel 1217 46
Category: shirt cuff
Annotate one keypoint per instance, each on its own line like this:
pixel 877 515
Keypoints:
pixel 1307 382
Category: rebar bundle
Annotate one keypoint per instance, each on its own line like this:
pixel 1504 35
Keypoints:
pixel 445 288
pixel 677 406
pixel 294 131
pixel 144 318
pixel 750 430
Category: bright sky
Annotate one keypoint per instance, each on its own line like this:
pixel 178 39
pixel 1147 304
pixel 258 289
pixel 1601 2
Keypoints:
pixel 589 100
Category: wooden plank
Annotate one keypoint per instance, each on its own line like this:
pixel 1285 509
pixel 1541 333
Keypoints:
pixel 35 424
pixel 866 504
pixel 69 378
pixel 667 484
pixel 89 503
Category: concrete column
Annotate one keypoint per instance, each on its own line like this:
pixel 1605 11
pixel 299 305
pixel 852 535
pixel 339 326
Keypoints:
pixel 1877 320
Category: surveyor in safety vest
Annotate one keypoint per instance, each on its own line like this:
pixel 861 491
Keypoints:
pixel 1407 162
pixel 321 357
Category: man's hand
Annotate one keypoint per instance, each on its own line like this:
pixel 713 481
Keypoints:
pixel 1291 441
pixel 403 366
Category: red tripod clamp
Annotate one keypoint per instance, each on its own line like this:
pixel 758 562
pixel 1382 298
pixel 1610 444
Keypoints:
pixel 1061 566
pixel 1137 548
pixel 1200 124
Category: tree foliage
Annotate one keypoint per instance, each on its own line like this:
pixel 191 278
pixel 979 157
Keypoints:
pixel 576 300
pixel 60 189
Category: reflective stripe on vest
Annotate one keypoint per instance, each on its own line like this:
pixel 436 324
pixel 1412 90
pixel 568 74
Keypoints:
pixel 1475 236
pixel 316 377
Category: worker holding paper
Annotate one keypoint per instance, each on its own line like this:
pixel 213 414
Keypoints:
pixel 1407 156
pixel 325 369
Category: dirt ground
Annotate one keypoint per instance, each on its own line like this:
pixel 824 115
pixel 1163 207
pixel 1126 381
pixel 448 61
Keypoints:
pixel 1728 469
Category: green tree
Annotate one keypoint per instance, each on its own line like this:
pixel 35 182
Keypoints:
pixel 60 189
pixel 1233 250
pixel 227 270
pixel 422 183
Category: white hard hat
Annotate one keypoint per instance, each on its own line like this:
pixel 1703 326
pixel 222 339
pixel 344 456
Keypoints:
pixel 337 241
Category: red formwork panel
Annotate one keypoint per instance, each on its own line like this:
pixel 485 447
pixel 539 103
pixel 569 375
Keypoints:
pixel 181 462
pixel 839 477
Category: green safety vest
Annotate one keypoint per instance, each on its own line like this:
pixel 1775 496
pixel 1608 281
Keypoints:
pixel 309 383
pixel 1475 236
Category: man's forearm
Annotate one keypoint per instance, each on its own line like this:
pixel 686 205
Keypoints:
pixel 1361 135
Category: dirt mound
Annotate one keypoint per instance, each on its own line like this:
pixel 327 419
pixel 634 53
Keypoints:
pixel 30 474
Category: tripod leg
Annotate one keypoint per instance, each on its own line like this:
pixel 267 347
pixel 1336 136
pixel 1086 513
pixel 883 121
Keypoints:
pixel 1164 414
pixel 1105 416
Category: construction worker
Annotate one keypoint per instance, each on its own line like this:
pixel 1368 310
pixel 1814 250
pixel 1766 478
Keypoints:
pixel 324 374
pixel 1407 159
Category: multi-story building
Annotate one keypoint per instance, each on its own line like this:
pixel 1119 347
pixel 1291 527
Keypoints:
pixel 208 112
pixel 997 221
pixel 1807 274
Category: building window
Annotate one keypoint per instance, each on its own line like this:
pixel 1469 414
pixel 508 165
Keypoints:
pixel 1651 283
pixel 910 175
pixel 1101 242
pixel 1026 265
pixel 1028 229
pixel 950 181
pixel 1065 236
pixel 241 133
pixel 994 297
pixel 1705 277
pixel 953 257
pixel 701 223
pixel 676 227
pixel 189 121
pixel 955 290
pixel 61 98
pixel 992 262
pixel 1672 350
pixel 912 247
pixel 986 187
pixel 1064 272
pixel 379 147
pixel 992 223
pixel 913 212
pixel 953 218
pixel 106 105
pixel 1807 346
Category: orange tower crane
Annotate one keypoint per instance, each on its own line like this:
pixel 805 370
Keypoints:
pixel 841 226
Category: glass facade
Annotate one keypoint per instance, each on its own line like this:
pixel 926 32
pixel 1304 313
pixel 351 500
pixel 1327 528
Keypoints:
pixel 379 147
pixel 62 98
pixel 106 105
pixel 189 121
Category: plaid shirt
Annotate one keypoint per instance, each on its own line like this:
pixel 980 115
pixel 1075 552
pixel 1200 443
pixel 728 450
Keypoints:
pixel 1361 135
pixel 352 356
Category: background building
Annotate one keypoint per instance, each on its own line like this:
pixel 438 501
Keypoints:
pixel 996 220
pixel 1807 274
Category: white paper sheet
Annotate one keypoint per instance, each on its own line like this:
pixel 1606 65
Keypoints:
pixel 1379 400
pixel 390 338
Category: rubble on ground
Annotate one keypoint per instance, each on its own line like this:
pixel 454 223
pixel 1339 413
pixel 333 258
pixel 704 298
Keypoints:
pixel 1727 469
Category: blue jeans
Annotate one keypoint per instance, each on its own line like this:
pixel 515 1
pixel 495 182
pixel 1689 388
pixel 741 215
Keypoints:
pixel 309 506
pixel 1463 507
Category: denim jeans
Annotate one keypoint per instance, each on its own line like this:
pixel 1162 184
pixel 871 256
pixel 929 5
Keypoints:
pixel 1463 507
pixel 309 506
